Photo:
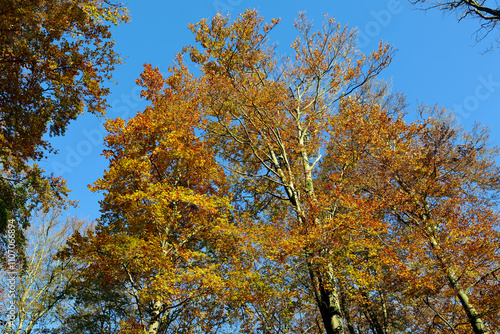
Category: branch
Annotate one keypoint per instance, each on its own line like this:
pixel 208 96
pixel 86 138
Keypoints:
pixel 426 301
pixel 491 272
pixel 134 293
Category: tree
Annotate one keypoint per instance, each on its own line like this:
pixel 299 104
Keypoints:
pixel 367 269
pixel 434 188
pixel 42 284
pixel 487 12
pixel 447 199
pixel 90 306
pixel 270 121
pixel 55 57
pixel 273 122
pixel 289 195
pixel 166 236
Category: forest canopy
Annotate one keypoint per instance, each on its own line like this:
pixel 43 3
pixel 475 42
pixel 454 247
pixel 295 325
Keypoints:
pixel 267 193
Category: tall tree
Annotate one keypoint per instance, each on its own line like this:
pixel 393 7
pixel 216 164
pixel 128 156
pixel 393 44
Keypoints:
pixel 273 120
pixel 55 59
pixel 270 120
pixel 436 188
pixel 296 185
pixel 166 236
pixel 39 287
pixel 446 209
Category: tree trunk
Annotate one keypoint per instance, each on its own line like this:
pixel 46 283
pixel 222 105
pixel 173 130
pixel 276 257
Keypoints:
pixel 330 311
pixel 344 306
pixel 328 301
pixel 155 318
pixel 371 315
pixel 475 320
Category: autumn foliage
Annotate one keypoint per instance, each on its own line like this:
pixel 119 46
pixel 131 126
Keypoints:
pixel 55 59
pixel 269 194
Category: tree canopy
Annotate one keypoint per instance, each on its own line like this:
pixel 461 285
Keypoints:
pixel 258 192
pixel 289 195
pixel 56 59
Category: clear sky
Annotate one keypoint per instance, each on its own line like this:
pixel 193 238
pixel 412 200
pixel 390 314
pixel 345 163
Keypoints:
pixel 437 62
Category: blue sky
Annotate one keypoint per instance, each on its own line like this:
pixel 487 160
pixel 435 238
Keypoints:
pixel 437 62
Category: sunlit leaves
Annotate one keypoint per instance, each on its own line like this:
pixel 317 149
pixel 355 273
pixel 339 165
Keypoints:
pixel 55 57
pixel 291 195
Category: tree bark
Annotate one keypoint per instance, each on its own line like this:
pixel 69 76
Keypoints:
pixel 475 320
pixel 344 306
pixel 371 315
pixel 155 318
pixel 328 301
